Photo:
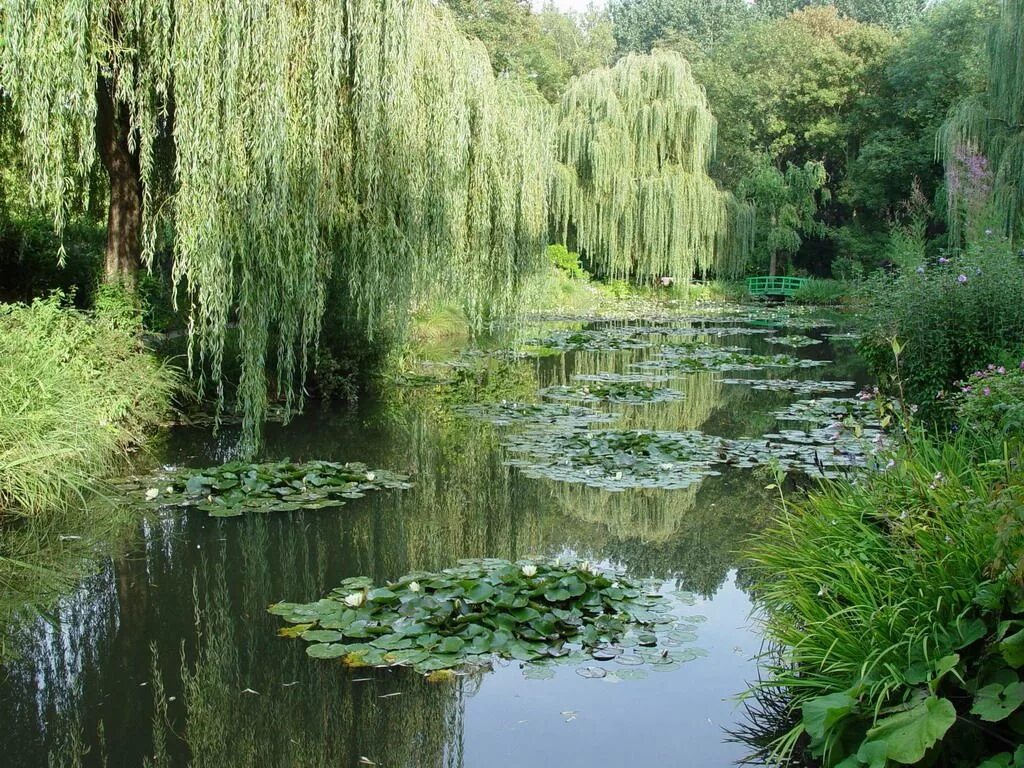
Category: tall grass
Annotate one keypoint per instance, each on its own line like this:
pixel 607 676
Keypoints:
pixel 886 591
pixel 76 391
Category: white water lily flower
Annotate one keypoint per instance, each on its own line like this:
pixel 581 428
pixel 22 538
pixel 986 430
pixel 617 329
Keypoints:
pixel 370 476
pixel 152 493
pixel 529 571
pixel 355 599
pixel 169 489
pixel 414 586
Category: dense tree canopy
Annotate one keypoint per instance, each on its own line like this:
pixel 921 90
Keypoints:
pixel 633 145
pixel 639 24
pixel 546 48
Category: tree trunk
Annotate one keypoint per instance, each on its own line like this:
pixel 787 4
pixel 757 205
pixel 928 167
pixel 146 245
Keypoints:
pixel 774 264
pixel 124 214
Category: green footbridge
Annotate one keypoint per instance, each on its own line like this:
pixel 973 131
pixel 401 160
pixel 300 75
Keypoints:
pixel 774 286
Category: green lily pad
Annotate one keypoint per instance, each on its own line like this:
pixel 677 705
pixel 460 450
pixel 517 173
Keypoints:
pixel 238 488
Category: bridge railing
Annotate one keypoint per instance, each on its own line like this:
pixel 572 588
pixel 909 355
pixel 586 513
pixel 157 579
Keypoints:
pixel 774 286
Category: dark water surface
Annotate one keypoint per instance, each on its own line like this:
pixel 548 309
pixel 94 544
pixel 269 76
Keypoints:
pixel 167 654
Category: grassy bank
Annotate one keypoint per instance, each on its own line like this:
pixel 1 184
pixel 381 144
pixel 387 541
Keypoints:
pixel 76 391
pixel 896 601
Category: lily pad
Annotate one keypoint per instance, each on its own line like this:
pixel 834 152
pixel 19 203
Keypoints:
pixel 532 611
pixel 237 488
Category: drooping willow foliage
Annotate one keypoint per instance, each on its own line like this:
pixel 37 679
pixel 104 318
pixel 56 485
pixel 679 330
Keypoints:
pixel 991 124
pixel 366 136
pixel 633 144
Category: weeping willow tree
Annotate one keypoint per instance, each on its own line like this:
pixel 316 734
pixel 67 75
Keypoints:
pixel 633 144
pixel 275 142
pixel 991 124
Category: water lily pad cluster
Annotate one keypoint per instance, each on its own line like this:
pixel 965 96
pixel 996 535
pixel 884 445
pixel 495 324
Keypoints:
pixel 794 340
pixel 594 340
pixel 555 415
pixel 647 379
pixel 463 617
pixel 625 393
pixel 829 409
pixel 616 460
pixel 710 358
pixel 237 487
pixel 796 386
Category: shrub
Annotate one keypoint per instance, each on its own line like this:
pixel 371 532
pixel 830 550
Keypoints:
pixel 991 401
pixel 76 390
pixel 567 261
pixel 953 315
pixel 816 291
pixel 896 601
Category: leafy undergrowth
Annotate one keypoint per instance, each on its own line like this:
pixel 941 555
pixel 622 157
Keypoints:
pixel 897 603
pixel 236 488
pixel 461 618
pixel 76 391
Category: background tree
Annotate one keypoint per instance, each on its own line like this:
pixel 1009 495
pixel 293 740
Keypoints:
pixel 786 204
pixel 545 48
pixel 893 127
pixel 893 14
pixel 992 123
pixel 633 144
pixel 639 24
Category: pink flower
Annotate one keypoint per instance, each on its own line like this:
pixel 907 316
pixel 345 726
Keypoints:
pixel 986 391
pixel 962 279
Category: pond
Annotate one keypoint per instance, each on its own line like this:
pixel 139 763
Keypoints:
pixel 168 654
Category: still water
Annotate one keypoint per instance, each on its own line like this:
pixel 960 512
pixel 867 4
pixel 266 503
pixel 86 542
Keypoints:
pixel 167 655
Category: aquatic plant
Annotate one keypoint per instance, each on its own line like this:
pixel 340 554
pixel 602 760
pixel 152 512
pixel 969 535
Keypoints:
pixel 632 394
pixel 462 617
pixel 506 413
pixel 794 340
pixel 796 386
pixel 690 359
pixel 237 488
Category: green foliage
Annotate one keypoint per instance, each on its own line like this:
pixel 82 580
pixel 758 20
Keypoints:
pixel 633 145
pixel 889 603
pixel 822 292
pixel 567 262
pixel 786 205
pixel 937 63
pixel 991 401
pixel 28 263
pixel 640 24
pixel 992 123
pixel 75 393
pixel 545 49
pixel 952 316
pixel 236 488
pixel 461 617
pixel 894 14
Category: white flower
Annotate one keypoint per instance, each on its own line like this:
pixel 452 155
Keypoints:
pixel 355 599
pixel 152 493
pixel 529 571
pixel 169 489
pixel 370 477
pixel 414 586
